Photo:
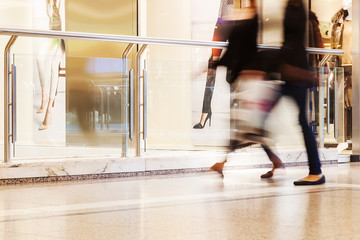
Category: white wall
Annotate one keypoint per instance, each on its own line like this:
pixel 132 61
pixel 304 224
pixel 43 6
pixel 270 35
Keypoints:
pixel 272 21
pixel 325 9
pixel 170 97
pixel 169 74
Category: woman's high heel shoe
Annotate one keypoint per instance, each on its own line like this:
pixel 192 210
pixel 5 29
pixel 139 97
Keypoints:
pixel 199 126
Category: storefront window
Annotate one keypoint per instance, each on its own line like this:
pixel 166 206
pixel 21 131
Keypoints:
pixel 49 116
pixel 182 71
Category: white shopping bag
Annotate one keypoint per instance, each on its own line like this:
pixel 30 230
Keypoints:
pixel 252 101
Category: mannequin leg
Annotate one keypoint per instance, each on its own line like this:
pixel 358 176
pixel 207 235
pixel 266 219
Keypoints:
pixel 44 100
pixel 48 116
pixel 220 34
pixel 53 85
pixel 41 66
pixel 209 89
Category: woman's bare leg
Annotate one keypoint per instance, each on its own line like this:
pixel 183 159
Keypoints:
pixel 276 161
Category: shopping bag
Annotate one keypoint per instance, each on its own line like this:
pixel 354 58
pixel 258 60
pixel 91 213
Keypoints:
pixel 252 101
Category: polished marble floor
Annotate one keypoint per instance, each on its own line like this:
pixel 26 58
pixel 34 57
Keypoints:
pixel 187 206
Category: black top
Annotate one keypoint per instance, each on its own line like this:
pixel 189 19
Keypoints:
pixel 242 46
pixel 294 25
pixel 293 50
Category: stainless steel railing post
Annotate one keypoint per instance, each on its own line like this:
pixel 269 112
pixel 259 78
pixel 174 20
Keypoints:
pixel 7 59
pixel 126 103
pixel 13 105
pixel 336 106
pixel 144 105
pixel 131 104
pixel 328 107
pixel 321 108
pixel 137 104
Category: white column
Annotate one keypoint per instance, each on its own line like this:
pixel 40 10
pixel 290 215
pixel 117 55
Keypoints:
pixel 356 79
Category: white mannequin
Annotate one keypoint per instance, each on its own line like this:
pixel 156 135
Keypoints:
pixel 54 52
pixel 347 34
pixel 347 5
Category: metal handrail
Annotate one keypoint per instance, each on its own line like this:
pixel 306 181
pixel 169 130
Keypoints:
pixel 140 40
pixel 309 50
pixel 107 37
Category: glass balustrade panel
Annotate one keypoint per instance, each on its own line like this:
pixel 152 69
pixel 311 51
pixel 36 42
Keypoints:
pixel 73 108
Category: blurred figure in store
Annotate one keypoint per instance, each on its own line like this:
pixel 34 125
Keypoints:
pixel 80 90
pixel 294 69
pixel 221 33
pixel 246 66
pixel 315 40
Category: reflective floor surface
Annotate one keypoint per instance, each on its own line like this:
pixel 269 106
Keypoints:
pixel 187 206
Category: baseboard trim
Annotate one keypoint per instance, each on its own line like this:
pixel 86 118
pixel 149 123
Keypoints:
pixel 355 158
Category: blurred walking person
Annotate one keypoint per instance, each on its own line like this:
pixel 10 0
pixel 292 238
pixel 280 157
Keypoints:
pixel 244 63
pixel 294 69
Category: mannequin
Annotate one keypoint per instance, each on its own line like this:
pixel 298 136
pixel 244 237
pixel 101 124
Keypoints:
pixel 221 32
pixel 54 52
pixel 315 40
pixel 347 32
pixel 341 31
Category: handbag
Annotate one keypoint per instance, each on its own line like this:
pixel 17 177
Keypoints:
pixel 298 76
pixel 252 100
